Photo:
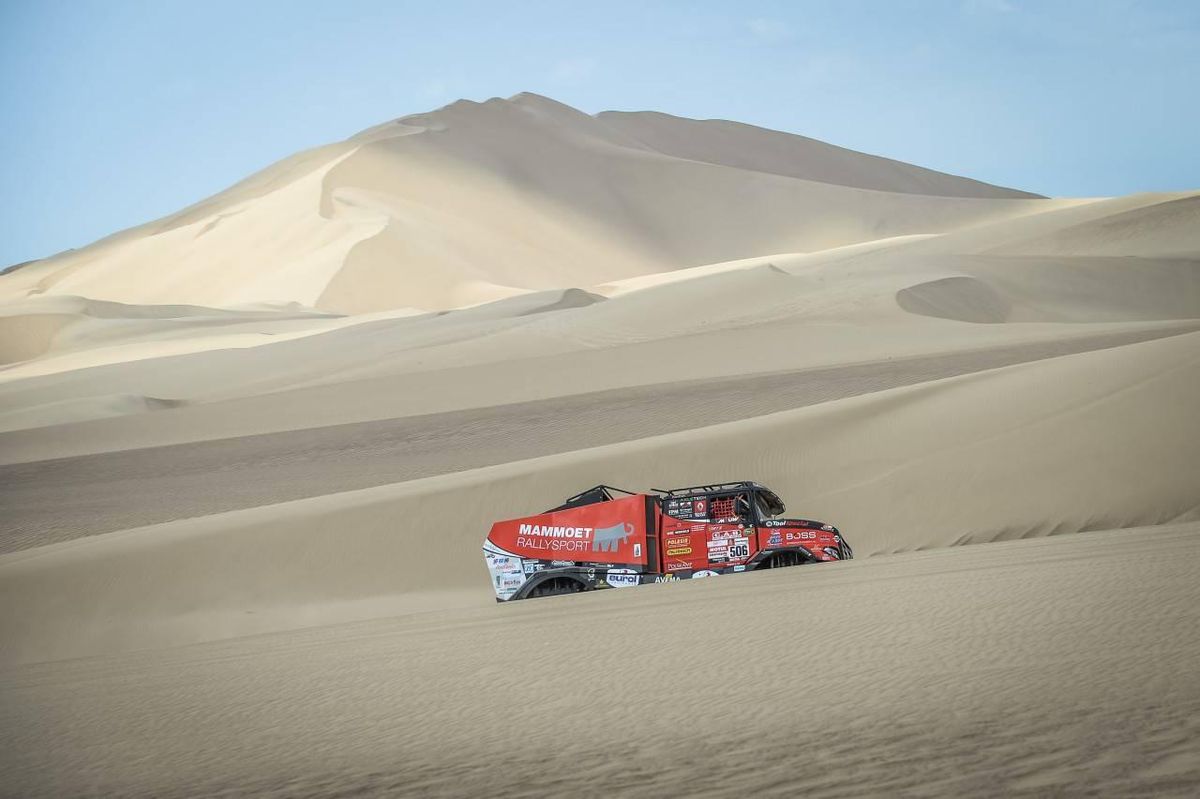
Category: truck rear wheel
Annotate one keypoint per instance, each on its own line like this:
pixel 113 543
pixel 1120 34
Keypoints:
pixel 556 586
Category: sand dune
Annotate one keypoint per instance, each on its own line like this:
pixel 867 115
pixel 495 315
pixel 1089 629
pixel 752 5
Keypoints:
pixel 803 310
pixel 1167 230
pixel 46 327
pixel 477 201
pixel 64 498
pixel 248 453
pixel 897 470
pixel 993 289
pixel 1052 666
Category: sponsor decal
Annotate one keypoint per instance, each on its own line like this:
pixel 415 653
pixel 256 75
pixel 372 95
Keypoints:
pixel 558 538
pixel 667 578
pixel 675 566
pixel 681 508
pixel 741 568
pixel 562 563
pixel 621 578
pixel 678 542
pixel 679 551
pixel 720 543
pixel 801 535
pixel 532 566
pixel 775 540
pixel 723 534
pixel 608 539
pixel 507 572
pixel 552 544
pixel 774 522
pixel 549 531
pixel 704 573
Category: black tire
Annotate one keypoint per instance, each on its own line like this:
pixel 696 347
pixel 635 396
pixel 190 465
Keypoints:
pixel 556 586
pixel 781 560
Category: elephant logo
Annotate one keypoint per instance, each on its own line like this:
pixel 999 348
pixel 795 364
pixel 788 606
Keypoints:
pixel 609 539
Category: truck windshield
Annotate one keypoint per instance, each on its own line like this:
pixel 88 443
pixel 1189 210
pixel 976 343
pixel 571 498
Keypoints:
pixel 764 508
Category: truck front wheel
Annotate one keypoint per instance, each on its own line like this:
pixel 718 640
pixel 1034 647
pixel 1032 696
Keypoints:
pixel 556 586
pixel 781 559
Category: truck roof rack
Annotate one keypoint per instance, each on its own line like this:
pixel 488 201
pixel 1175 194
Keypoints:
pixel 775 505
pixel 710 488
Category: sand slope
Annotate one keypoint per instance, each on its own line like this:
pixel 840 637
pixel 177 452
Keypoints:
pixel 899 296
pixel 718 141
pixel 905 469
pixel 1053 666
pixel 60 499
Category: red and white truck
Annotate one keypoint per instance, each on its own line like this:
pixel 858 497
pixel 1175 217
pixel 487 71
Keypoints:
pixel 608 538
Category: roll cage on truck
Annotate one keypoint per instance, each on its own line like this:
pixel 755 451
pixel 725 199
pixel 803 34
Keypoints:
pixel 606 537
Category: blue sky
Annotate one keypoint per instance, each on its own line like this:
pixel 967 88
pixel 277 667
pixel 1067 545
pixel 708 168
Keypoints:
pixel 115 113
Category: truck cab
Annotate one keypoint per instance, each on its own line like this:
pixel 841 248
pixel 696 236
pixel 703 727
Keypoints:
pixel 739 527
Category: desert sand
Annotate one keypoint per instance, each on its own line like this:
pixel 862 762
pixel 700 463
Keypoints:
pixel 249 452
pixel 1061 665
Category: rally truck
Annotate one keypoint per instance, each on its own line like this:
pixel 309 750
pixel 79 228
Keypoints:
pixel 606 537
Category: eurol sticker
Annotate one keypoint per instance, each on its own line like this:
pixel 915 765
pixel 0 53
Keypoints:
pixel 621 578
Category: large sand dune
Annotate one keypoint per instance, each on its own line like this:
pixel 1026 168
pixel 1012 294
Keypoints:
pixel 479 201
pixel 248 453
